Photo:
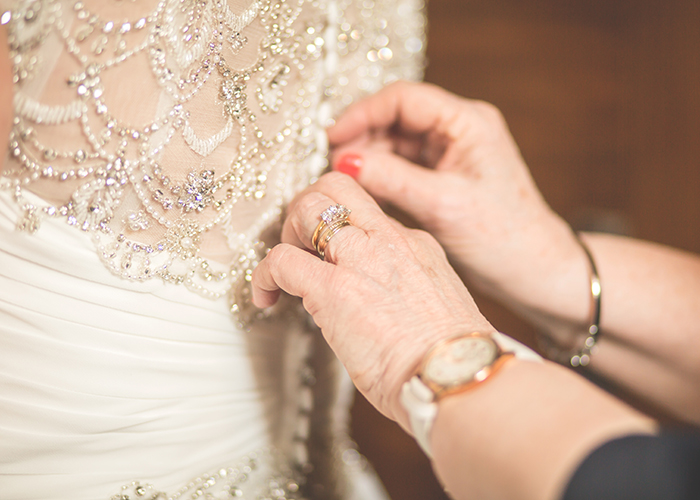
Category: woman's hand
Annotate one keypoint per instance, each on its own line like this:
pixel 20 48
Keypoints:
pixel 384 295
pixel 452 165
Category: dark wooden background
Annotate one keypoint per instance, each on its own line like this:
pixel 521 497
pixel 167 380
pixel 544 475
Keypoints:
pixel 603 97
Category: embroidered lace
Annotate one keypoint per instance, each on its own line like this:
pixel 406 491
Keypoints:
pixel 171 133
pixel 174 131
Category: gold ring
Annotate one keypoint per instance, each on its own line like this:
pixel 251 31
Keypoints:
pixel 333 219
pixel 327 234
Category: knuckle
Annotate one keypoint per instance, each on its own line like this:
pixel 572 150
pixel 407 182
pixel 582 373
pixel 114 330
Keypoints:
pixel 403 87
pixel 488 109
pixel 491 115
pixel 421 89
pixel 333 184
pixel 308 203
pixel 423 236
pixel 433 89
pixel 333 180
pixel 427 240
pixel 306 211
pixel 476 122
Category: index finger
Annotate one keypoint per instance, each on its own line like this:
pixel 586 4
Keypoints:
pixel 415 107
pixel 290 269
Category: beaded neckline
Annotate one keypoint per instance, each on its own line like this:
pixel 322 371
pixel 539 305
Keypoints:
pixel 180 186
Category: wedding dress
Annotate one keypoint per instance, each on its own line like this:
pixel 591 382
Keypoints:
pixel 154 146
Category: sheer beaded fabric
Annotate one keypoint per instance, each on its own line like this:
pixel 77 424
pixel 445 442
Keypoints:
pixel 153 148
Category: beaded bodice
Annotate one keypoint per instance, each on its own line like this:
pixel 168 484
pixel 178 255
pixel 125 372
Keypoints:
pixel 172 132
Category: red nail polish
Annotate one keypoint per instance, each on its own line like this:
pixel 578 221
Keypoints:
pixel 350 164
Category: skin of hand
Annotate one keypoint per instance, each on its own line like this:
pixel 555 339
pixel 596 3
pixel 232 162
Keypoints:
pixel 383 285
pixel 385 295
pixel 452 165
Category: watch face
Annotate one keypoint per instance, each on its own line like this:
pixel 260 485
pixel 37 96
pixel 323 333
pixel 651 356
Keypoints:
pixel 460 360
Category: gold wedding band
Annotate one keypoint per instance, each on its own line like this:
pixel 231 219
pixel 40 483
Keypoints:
pixel 333 219
pixel 327 234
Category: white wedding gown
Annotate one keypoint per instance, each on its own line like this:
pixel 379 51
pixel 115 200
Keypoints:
pixel 154 146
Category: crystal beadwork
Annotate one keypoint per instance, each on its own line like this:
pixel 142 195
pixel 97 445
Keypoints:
pixel 335 213
pixel 223 125
pixel 275 480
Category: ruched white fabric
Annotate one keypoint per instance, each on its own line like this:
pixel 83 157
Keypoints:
pixel 106 380
pixel 153 148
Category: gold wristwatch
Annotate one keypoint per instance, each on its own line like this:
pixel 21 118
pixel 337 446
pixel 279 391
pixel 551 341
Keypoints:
pixel 455 365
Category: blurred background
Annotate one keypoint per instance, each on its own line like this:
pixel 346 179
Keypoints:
pixel 603 97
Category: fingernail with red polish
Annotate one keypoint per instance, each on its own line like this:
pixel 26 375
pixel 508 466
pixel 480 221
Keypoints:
pixel 350 164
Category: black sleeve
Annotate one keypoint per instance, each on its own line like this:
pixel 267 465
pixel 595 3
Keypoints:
pixel 665 467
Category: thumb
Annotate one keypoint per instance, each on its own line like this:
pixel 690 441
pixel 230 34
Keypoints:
pixel 392 178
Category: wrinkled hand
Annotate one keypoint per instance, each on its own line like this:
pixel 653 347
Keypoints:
pixel 452 165
pixel 384 295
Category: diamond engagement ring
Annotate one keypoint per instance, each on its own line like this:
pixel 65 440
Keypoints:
pixel 333 219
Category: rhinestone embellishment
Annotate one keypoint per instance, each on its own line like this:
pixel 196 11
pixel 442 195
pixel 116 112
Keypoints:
pixel 199 191
pixel 335 213
pixel 258 80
